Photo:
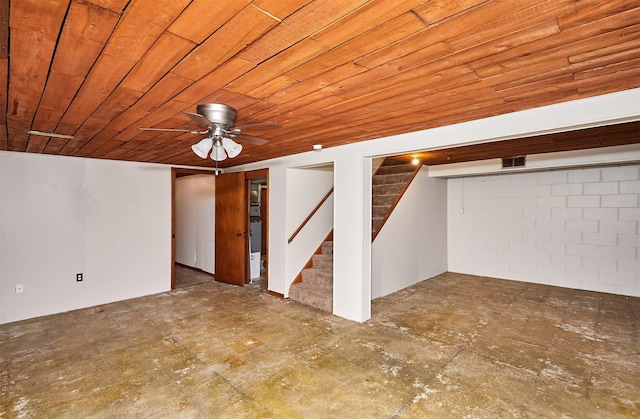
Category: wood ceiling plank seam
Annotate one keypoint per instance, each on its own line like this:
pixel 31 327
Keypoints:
pixel 402 21
pixel 166 89
pixel 415 80
pixel 320 81
pixel 431 103
pixel 475 16
pixel 201 18
pixel 281 9
pixel 36 144
pixel 138 29
pixel 54 146
pixel 4 30
pixel 562 40
pixel 568 50
pixel 88 147
pixel 297 27
pixel 463 56
pixel 162 56
pixel 115 105
pixel 44 17
pixel 609 82
pixel 434 12
pixel 591 11
pixel 86 103
pixel 87 28
pixel 161 114
pixel 511 23
pixel 216 79
pixel 117 6
pixel 392 31
pixel 28 74
pixel 226 42
pixel 613 49
pixel 418 44
pixel 368 16
pixel 359 47
pixel 602 68
pixel 77 51
pixel 104 77
pixel 303 105
pixel 291 57
pixel 546 85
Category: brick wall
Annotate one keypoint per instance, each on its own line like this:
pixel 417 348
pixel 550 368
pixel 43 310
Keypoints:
pixel 576 228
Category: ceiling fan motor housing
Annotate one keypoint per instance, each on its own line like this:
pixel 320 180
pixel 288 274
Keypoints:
pixel 218 113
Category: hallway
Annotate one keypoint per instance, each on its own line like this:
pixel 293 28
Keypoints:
pixel 452 346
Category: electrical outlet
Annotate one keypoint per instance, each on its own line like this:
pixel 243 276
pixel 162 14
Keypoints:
pixel 19 289
pixel 78 277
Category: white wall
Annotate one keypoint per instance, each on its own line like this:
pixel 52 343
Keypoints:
pixel 60 216
pixel 195 221
pixel 306 187
pixel 575 228
pixel 412 244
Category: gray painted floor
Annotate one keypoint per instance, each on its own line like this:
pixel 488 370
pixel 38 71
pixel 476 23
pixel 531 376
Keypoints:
pixel 450 347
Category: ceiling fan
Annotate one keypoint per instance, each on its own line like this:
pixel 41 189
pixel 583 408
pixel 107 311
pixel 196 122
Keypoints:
pixel 218 122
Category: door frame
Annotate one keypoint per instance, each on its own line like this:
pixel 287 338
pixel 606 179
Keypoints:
pixel 251 175
pixel 177 172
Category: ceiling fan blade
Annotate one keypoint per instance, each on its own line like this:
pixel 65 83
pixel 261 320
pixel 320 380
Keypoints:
pixel 50 134
pixel 190 131
pixel 199 119
pixel 251 139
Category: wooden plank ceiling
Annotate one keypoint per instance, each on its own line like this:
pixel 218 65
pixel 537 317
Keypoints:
pixel 328 72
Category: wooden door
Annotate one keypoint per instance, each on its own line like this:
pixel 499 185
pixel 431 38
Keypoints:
pixel 231 229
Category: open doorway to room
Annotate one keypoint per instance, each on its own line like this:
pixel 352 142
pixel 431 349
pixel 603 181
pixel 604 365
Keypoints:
pixel 192 235
pixel 258 187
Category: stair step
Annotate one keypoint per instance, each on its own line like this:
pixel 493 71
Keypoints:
pixel 317 277
pixel 320 298
pixel 387 189
pixel 392 178
pixel 323 262
pixel 383 199
pixel 396 168
pixel 317 297
pixel 379 211
pixel 327 248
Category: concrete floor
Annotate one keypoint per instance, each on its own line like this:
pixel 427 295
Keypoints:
pixel 453 346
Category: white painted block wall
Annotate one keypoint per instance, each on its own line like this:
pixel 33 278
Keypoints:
pixel 576 228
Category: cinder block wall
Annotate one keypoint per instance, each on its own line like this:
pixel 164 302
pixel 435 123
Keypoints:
pixel 576 228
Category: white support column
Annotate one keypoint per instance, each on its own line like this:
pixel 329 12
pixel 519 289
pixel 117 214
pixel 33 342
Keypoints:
pixel 352 238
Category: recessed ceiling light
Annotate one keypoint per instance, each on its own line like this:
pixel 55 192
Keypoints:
pixel 317 147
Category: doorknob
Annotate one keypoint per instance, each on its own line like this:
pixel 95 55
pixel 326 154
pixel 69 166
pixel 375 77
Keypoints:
pixel 238 234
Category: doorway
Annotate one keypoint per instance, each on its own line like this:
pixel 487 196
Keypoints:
pixel 192 252
pixel 258 220
pixel 256 205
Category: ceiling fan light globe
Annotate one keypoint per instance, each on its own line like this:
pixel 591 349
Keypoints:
pixel 203 147
pixel 218 153
pixel 231 147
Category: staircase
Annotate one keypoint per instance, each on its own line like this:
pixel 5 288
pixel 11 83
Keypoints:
pixel 314 285
pixel 388 184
